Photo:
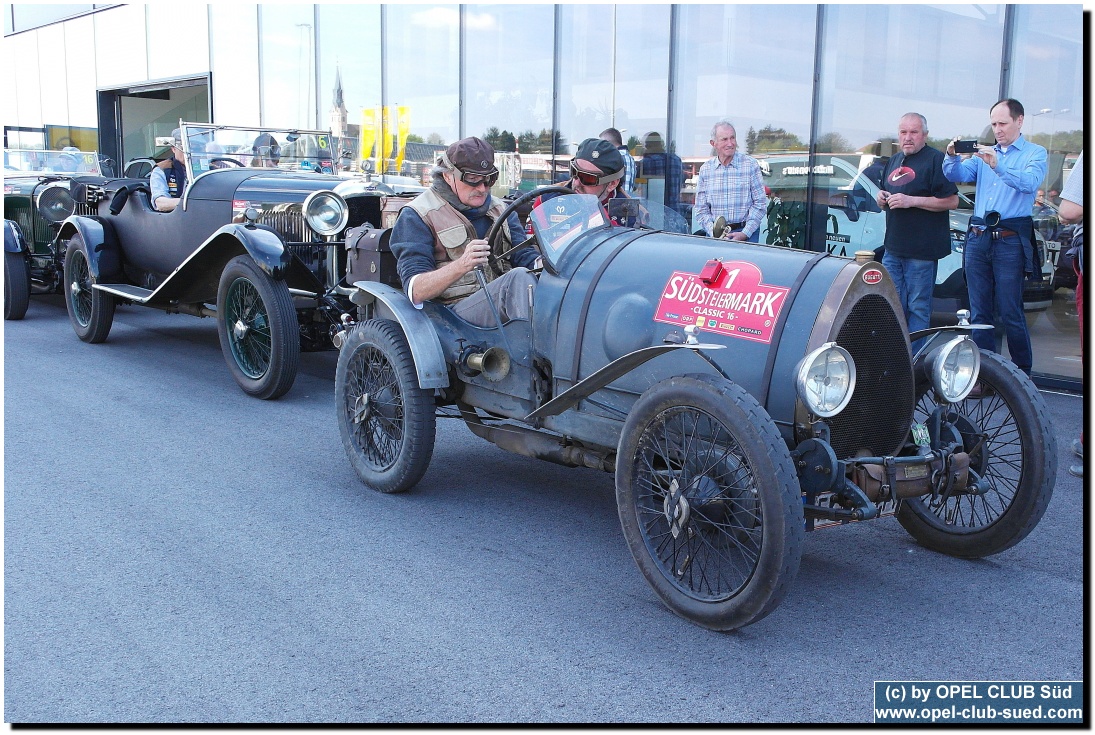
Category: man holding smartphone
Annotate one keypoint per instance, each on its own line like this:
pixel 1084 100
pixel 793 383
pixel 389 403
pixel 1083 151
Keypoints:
pixel 916 198
pixel 999 250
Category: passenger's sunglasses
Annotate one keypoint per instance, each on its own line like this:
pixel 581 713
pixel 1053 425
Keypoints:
pixel 588 179
pixel 473 179
pixel 268 151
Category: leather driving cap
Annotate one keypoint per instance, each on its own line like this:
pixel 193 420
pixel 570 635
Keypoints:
pixel 472 155
pixel 602 154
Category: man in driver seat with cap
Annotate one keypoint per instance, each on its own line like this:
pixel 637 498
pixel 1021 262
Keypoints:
pixel 168 178
pixel 439 240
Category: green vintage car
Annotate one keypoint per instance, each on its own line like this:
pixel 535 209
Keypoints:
pixel 36 200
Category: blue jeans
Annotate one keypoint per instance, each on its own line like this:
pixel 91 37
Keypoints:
pixel 915 280
pixel 994 275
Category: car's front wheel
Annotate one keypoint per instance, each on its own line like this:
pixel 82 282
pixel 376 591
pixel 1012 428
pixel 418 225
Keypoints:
pixel 709 501
pixel 16 285
pixel 258 331
pixel 1004 427
pixel 90 310
pixel 387 421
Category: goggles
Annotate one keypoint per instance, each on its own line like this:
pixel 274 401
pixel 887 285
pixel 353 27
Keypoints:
pixel 268 151
pixel 591 179
pixel 474 179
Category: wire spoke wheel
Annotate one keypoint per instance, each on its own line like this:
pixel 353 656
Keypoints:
pixel 90 310
pixel 387 422
pixel 249 332
pixel 1005 432
pixel 709 501
pixel 257 323
pixel 697 502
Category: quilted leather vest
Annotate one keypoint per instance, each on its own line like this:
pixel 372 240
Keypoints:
pixel 451 233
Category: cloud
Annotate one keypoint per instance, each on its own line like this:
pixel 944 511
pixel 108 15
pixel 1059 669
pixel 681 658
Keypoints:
pixel 450 18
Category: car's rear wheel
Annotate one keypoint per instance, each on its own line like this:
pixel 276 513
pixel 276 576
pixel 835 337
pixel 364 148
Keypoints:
pixel 258 329
pixel 388 423
pixel 91 311
pixel 1004 428
pixel 16 285
pixel 709 501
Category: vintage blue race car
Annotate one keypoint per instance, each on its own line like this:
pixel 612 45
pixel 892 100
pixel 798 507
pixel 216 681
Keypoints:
pixel 741 394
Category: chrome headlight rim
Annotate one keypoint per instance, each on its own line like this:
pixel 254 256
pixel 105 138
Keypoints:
pixel 61 186
pixel 319 226
pixel 943 369
pixel 802 375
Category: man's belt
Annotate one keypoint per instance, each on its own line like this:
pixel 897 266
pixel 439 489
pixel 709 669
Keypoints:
pixel 735 226
pixel 995 234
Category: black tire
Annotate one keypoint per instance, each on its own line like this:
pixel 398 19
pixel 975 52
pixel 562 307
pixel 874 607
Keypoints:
pixel 257 324
pixel 16 285
pixel 729 560
pixel 1018 461
pixel 91 311
pixel 388 423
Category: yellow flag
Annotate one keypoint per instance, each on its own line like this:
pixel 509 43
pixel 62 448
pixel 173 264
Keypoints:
pixel 404 127
pixel 387 136
pixel 368 133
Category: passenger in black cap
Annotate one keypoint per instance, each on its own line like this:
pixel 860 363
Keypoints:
pixel 597 168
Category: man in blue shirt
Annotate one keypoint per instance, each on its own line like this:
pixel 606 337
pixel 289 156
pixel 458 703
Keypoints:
pixel 999 249
pixel 168 179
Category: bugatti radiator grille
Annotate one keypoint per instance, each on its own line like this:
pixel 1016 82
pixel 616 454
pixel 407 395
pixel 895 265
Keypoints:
pixel 877 419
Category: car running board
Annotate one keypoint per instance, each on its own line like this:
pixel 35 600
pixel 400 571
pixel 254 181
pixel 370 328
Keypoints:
pixel 607 374
pixel 143 296
pixel 126 291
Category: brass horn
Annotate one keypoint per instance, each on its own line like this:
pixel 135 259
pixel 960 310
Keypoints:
pixel 494 363
pixel 719 227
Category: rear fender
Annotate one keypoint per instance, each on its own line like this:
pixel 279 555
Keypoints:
pixel 104 257
pixel 429 359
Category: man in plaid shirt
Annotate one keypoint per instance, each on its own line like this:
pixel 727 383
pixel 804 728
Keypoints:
pixel 616 138
pixel 730 185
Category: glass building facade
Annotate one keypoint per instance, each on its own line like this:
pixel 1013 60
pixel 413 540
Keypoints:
pixel 806 86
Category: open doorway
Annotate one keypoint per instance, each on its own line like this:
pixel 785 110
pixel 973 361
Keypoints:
pixel 131 118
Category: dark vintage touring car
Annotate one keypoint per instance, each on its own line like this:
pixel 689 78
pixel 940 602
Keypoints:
pixel 257 242
pixel 741 394
pixel 37 199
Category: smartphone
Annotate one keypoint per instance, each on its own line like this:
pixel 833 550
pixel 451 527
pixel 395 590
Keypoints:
pixel 965 146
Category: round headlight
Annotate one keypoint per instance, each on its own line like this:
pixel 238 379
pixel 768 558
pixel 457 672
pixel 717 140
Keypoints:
pixel 955 367
pixel 326 212
pixel 55 202
pixel 825 380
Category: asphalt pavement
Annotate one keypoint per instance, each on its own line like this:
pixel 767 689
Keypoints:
pixel 175 551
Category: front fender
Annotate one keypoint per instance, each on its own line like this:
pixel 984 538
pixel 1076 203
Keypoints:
pixel 429 359
pixel 104 257
pixel 261 243
pixel 13 238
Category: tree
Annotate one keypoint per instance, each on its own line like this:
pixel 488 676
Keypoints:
pixel 751 140
pixel 435 139
pixel 833 143
pixel 769 138
pixel 414 138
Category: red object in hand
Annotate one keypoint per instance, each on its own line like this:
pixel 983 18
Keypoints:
pixel 712 273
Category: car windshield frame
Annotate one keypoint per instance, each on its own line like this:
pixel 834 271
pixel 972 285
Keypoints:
pixel 18 161
pixel 208 147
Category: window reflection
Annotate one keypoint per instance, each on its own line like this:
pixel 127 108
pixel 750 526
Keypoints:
pixel 423 69
pixel 287 37
pixel 349 75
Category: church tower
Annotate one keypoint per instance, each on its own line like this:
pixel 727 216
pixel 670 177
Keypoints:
pixel 339 113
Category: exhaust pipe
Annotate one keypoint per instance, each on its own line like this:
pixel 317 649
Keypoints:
pixel 494 363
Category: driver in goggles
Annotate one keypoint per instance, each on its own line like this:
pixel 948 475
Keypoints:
pixel 439 241
pixel 597 169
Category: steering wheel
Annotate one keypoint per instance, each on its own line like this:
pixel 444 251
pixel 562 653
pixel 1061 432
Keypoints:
pixel 494 233
pixel 224 160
